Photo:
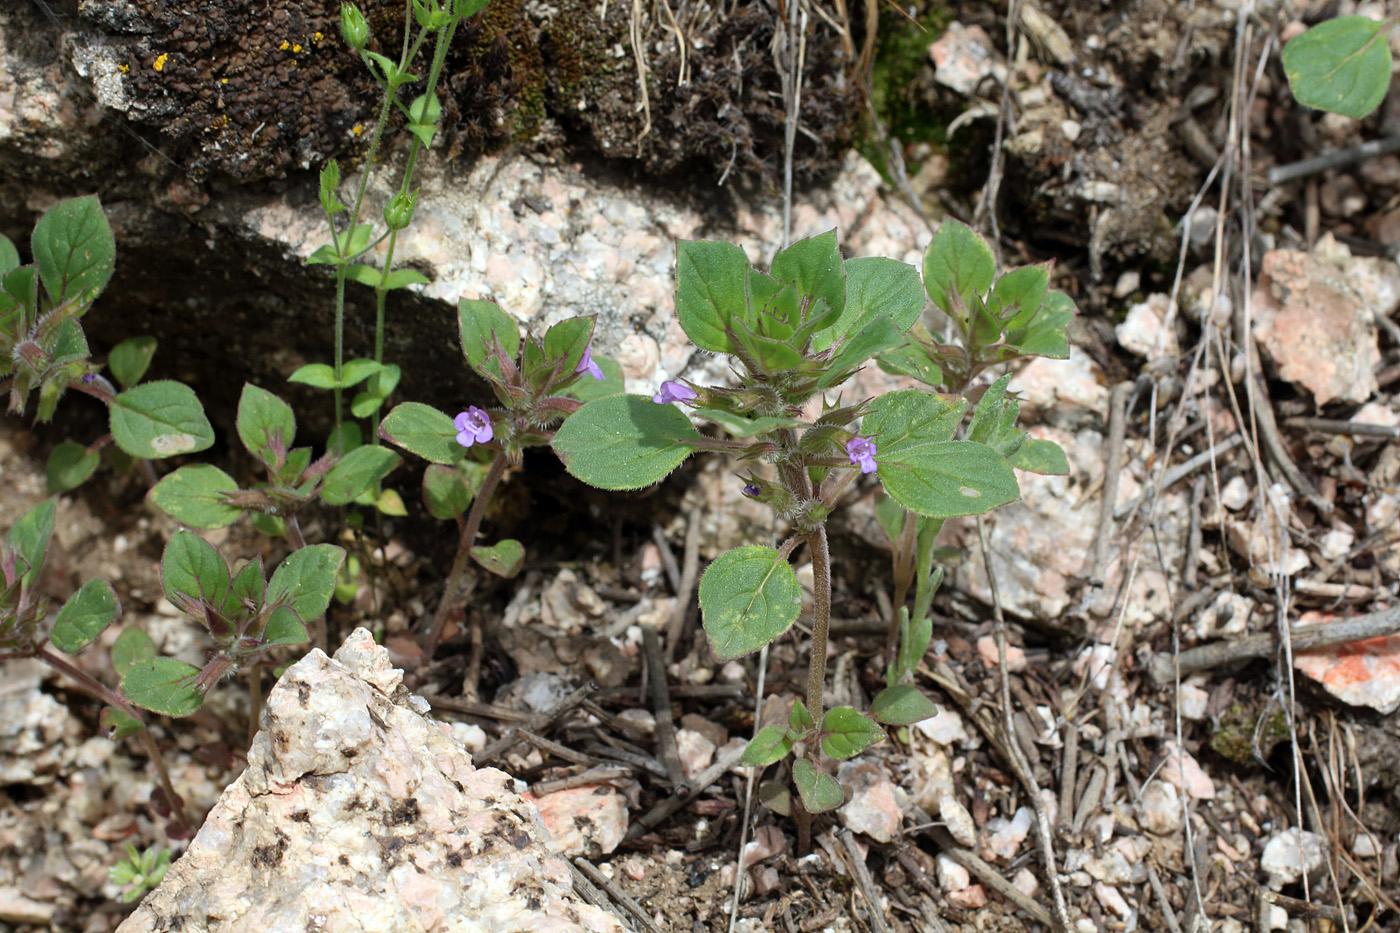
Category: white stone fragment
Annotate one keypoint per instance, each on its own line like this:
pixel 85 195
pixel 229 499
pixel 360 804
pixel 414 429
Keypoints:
pixel 959 822
pixel 1290 854
pixel 1160 807
pixel 951 875
pixel 358 813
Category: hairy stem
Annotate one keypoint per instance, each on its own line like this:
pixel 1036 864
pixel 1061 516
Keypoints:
pixel 460 563
pixel 821 618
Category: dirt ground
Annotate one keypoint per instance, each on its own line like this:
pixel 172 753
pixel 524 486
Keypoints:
pixel 1127 117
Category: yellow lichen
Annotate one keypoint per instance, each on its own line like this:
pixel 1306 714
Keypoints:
pixel 159 64
pixel 297 47
pixel 124 69
pixel 284 46
pixel 317 38
pixel 223 80
pixel 357 129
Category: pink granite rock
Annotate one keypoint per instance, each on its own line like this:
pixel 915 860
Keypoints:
pixel 357 812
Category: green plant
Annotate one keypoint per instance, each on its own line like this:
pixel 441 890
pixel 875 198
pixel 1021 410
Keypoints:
pixel 1342 65
pixel 797 332
pixel 140 872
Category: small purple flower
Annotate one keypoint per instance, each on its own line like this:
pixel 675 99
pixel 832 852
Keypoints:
pixel 861 450
pixel 89 379
pixel 586 365
pixel 672 391
pixel 473 426
pixel 752 489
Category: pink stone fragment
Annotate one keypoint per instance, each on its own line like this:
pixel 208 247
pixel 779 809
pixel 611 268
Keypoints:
pixel 987 652
pixel 589 820
pixel 1360 673
pixel 1185 774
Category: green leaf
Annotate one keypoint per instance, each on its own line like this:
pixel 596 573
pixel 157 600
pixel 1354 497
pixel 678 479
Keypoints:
pixel 566 341
pixel 712 286
pixel 446 492
pixel 814 266
pixel 323 255
pixel 28 540
pixel 910 418
pixel 1044 457
pixel 402 278
pixel 69 466
pixel 84 616
pixel 612 383
pixel 946 479
pixel 284 628
pixel 322 375
pixel 423 430
pixel 1342 65
pixel 901 705
pixel 263 416
pixel 913 361
pixel 74 250
pixel 770 744
pixel 748 597
pixel 131 645
pixel 876 286
pixel 116 724
pixel 739 426
pixel 365 275
pixel 330 185
pixel 163 685
pixel 819 790
pixel 891 516
pixel 357 471
pixel 624 441
pixel 957 264
pixel 270 525
pixel 1046 334
pixel 878 335
pixel 390 503
pixel 246 591
pixel 192 571
pixel 994 420
pixel 1022 289
pixel 160 419
pixel 477 323
pixel 194 495
pixel 504 558
pixel 71 344
pixel 130 359
pixel 799 719
pixel 306 579
pixel 9 256
pixel 847 733
pixel 776 797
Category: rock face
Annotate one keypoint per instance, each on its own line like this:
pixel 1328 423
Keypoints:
pixel 358 813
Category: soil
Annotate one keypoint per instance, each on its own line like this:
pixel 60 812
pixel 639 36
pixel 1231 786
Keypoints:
pixel 1096 177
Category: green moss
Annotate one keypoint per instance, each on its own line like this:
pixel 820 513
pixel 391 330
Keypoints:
pixel 1234 740
pixel 898 78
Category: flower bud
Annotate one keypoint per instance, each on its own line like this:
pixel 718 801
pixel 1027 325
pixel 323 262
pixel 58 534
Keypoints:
pixel 398 213
pixel 354 29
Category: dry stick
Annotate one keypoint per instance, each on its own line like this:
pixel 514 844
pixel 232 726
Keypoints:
pixel 636 759
pixel 1338 426
pixel 536 723
pixel 1016 756
pixel 1117 427
pixel 690 567
pixel 588 891
pixel 1068 775
pixel 555 749
pixel 863 879
pixel 684 794
pixel 1168 914
pixel 668 559
pixel 748 796
pixel 479 709
pixel 989 876
pixel 616 893
pixel 602 774
pixel 1177 473
pixel 1189 572
pixel 661 707
pixel 1266 644
pixel 1337 159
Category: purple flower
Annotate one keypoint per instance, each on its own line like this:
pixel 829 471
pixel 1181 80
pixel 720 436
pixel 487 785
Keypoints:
pixel 752 489
pixel 89 379
pixel 672 391
pixel 473 426
pixel 861 450
pixel 586 365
